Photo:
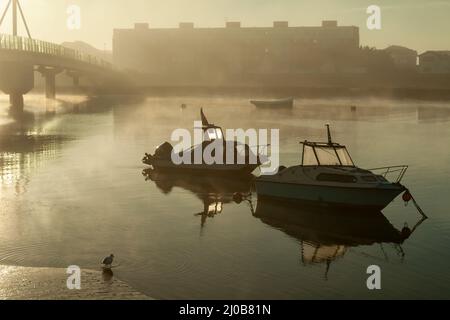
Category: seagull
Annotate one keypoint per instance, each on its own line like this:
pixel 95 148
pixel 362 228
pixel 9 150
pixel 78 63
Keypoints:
pixel 107 262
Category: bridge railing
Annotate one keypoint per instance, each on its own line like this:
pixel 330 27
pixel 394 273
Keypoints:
pixel 8 42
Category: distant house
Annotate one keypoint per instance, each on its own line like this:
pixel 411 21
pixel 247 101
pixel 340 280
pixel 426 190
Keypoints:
pixel 402 57
pixel 435 62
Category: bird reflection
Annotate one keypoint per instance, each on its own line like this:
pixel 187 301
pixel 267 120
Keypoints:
pixel 107 275
pixel 214 191
pixel 325 235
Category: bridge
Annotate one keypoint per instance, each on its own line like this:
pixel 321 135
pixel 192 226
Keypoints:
pixel 21 57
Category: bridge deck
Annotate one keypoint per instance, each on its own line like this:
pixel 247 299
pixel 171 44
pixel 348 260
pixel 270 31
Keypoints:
pixel 37 47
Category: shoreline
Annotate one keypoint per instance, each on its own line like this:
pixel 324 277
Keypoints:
pixel 31 283
pixel 299 92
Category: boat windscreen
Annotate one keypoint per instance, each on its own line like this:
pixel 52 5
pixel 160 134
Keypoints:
pixel 309 158
pixel 346 160
pixel 213 134
pixel 326 156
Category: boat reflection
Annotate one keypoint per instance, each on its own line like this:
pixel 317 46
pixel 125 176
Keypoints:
pixel 213 190
pixel 326 235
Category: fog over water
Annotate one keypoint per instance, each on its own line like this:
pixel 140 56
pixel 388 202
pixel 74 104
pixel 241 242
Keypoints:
pixel 72 191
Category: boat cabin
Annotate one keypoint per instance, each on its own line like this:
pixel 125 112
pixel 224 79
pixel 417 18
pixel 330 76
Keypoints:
pixel 211 133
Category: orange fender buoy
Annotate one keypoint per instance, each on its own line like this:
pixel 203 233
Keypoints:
pixel 407 196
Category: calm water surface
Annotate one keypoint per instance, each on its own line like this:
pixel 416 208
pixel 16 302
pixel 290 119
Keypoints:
pixel 72 191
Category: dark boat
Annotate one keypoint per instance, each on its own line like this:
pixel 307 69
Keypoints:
pixel 162 158
pixel 276 103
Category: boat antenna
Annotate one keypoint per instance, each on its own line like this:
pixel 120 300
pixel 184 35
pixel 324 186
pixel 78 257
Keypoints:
pixel 329 133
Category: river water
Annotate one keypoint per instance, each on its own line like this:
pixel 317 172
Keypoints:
pixel 72 191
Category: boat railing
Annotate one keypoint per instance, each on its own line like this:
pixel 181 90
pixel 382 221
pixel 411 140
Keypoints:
pixel 398 172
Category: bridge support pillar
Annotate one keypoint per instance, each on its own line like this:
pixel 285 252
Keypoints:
pixel 50 80
pixel 50 86
pixel 76 81
pixel 16 102
pixel 16 79
pixel 75 77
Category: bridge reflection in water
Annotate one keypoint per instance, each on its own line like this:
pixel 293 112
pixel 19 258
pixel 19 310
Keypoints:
pixel 25 143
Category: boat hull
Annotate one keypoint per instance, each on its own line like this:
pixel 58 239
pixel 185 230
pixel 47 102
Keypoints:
pixel 285 103
pixel 373 198
pixel 215 169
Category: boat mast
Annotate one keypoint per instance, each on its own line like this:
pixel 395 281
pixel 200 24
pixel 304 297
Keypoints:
pixel 329 134
pixel 206 125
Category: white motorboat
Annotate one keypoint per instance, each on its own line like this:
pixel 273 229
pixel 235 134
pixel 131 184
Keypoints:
pixel 328 177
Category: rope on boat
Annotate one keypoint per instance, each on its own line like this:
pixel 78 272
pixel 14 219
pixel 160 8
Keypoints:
pixel 407 196
pixel 419 208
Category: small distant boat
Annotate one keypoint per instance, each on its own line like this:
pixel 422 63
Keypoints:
pixel 328 177
pixel 162 158
pixel 276 103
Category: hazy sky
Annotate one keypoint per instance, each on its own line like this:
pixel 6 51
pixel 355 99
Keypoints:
pixel 418 24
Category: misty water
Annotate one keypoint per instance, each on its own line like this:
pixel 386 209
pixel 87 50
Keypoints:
pixel 72 191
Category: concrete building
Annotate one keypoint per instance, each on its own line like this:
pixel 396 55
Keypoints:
pixel 191 55
pixel 403 58
pixel 437 62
